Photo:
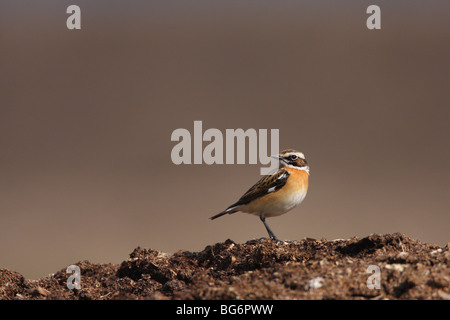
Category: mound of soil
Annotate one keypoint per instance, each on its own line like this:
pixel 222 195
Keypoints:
pixel 398 268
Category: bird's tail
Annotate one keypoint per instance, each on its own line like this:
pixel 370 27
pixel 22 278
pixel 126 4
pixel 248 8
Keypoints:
pixel 230 210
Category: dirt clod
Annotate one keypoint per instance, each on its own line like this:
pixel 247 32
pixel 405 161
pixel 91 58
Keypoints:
pixel 258 269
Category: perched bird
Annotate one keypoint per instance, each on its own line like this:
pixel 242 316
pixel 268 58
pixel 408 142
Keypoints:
pixel 275 194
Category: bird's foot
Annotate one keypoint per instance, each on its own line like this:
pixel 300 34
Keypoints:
pixel 275 239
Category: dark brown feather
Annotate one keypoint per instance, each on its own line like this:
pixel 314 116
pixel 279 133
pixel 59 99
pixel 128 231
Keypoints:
pixel 262 187
pixel 259 189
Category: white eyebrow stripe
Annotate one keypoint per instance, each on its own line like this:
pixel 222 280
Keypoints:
pixel 298 154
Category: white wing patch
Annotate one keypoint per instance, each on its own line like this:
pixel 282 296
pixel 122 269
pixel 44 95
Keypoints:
pixel 283 176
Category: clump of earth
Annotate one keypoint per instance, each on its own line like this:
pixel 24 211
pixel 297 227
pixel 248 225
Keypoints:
pixel 388 266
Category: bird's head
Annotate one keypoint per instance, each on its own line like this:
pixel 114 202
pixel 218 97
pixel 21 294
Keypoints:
pixel 292 158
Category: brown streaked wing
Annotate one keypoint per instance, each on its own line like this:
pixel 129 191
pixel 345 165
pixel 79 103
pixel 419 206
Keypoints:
pixel 265 185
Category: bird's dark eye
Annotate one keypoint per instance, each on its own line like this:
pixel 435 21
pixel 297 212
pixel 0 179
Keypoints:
pixel 293 157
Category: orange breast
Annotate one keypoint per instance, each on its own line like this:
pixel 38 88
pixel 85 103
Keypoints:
pixel 298 179
pixel 283 200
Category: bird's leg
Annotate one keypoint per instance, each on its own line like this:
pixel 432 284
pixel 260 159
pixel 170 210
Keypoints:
pixel 271 234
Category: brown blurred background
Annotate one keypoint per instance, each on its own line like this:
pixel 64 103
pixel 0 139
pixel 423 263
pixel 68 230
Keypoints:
pixel 86 118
